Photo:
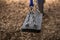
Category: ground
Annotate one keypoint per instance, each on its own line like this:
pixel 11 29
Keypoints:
pixel 12 15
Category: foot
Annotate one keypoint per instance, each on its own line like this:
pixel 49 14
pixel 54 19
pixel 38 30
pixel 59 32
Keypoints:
pixel 27 25
pixel 43 14
pixel 35 26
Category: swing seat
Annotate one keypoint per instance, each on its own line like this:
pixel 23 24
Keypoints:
pixel 32 22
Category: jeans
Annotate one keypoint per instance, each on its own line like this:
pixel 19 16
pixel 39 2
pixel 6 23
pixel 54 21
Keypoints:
pixel 41 5
pixel 31 3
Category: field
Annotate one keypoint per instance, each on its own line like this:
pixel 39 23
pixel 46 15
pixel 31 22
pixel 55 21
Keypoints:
pixel 13 13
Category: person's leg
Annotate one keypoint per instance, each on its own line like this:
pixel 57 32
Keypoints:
pixel 31 3
pixel 41 5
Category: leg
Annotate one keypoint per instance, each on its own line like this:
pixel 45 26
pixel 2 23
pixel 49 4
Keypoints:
pixel 41 5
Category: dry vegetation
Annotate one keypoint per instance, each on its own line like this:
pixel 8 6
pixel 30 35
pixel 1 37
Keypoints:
pixel 13 13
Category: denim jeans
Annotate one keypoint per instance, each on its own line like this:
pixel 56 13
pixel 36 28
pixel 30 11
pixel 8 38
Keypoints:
pixel 41 5
pixel 31 3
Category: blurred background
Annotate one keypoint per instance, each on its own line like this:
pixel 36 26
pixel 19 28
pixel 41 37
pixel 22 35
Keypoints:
pixel 13 13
